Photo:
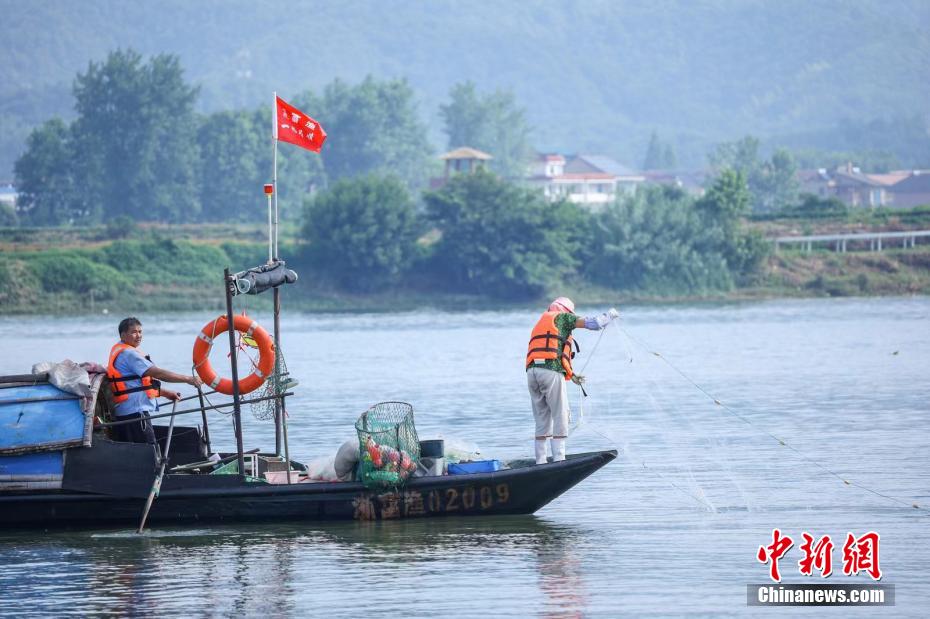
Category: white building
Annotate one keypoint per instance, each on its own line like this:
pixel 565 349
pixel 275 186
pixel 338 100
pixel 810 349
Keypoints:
pixel 583 179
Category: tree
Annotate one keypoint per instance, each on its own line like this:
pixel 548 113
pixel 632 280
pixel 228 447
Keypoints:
pixel 235 153
pixel 500 239
pixel 772 183
pixel 44 178
pixel 135 132
pixel 726 201
pixel 722 209
pixel 232 145
pixel 377 128
pixel 653 158
pixel 669 160
pixel 362 232
pixel 655 242
pixel 492 123
pixel 741 156
pixel 659 155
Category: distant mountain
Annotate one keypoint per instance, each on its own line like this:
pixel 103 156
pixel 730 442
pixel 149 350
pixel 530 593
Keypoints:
pixel 595 75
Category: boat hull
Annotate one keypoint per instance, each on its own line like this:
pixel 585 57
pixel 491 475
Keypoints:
pixel 224 499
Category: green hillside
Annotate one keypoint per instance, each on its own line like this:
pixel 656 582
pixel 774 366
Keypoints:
pixel 597 75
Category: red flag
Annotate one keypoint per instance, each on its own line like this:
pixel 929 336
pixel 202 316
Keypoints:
pixel 292 125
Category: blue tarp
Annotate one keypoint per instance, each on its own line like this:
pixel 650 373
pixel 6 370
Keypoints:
pixel 45 464
pixel 35 471
pixel 39 418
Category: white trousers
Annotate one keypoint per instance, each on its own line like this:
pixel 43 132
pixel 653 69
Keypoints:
pixel 550 402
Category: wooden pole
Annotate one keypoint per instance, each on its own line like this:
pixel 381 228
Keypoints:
pixel 234 362
pixel 156 485
pixel 279 410
pixel 203 412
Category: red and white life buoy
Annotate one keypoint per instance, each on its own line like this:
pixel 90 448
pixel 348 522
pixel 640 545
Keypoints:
pixel 204 343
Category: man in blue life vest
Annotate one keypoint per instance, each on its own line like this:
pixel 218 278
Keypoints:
pixel 548 367
pixel 134 381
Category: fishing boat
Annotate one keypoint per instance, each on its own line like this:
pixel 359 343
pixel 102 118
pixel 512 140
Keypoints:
pixel 60 466
pixel 106 484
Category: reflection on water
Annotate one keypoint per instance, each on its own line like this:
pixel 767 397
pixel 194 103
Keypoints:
pixel 282 569
pixel 670 527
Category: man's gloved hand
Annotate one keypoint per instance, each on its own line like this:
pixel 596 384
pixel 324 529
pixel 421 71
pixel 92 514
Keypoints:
pixel 578 379
pixel 601 320
pixel 604 319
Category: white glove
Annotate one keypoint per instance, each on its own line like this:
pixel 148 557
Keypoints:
pixel 578 379
pixel 604 319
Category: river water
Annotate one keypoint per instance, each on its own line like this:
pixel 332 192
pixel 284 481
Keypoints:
pixel 671 527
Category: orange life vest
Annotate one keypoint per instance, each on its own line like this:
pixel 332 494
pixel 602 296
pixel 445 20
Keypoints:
pixel 118 380
pixel 546 343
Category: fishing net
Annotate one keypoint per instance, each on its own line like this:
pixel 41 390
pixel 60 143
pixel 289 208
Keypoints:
pixel 389 449
pixel 276 384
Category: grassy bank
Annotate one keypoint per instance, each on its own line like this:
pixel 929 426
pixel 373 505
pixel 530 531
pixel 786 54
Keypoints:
pixel 66 271
pixel 826 273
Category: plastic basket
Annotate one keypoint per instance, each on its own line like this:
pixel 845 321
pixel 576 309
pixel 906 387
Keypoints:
pixel 389 449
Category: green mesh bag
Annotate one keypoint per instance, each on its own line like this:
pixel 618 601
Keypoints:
pixel 389 449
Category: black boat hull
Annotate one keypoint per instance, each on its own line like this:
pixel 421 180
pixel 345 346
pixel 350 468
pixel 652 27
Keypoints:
pixel 523 489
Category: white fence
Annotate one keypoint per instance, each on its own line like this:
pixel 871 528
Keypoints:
pixel 876 241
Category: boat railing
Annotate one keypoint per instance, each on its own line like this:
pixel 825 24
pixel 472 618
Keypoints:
pixel 198 409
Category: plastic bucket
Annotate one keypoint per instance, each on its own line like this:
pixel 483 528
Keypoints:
pixel 432 467
pixel 434 448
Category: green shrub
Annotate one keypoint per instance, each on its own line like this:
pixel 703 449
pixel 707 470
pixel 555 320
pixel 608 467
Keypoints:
pixel 500 239
pixel 19 287
pixel 242 256
pixel 362 232
pixel 121 227
pixel 657 242
pixel 166 260
pixel 72 272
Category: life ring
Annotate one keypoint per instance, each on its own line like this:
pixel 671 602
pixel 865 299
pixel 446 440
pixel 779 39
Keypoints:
pixel 204 343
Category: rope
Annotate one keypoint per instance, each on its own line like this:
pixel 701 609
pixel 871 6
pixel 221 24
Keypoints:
pixel 654 471
pixel 593 350
pixel 680 489
pixel 781 442
pixel 207 399
pixel 580 390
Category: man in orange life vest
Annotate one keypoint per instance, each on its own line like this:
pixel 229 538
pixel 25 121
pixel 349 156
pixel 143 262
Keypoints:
pixel 134 381
pixel 549 365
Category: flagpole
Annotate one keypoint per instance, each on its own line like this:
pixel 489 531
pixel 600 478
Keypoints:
pixel 272 255
pixel 274 173
pixel 279 411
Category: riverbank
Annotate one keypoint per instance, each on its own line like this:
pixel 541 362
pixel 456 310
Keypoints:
pixel 178 268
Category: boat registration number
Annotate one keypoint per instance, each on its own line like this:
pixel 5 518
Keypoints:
pixel 412 503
